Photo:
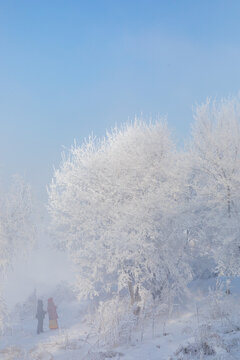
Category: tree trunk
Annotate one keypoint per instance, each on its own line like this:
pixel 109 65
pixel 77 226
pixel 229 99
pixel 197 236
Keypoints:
pixel 229 201
pixel 131 292
pixel 135 297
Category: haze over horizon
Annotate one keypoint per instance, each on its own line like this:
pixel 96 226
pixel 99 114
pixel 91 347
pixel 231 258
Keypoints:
pixel 69 70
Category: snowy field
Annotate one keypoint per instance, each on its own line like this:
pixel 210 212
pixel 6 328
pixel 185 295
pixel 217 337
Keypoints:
pixel 208 327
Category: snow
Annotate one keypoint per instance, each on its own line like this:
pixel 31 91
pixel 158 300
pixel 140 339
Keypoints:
pixel 188 329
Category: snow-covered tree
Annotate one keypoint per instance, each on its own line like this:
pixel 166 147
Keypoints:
pixel 216 180
pixel 115 207
pixel 17 230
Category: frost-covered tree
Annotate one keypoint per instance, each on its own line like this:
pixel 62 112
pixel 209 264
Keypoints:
pixel 17 230
pixel 216 180
pixel 115 207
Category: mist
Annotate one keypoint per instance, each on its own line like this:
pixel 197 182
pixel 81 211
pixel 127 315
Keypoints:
pixel 43 270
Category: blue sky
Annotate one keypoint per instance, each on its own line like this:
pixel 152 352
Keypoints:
pixel 72 68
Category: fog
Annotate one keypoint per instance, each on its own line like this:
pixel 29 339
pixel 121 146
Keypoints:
pixel 42 270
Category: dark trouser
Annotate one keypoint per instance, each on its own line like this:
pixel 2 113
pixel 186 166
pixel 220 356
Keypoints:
pixel 40 326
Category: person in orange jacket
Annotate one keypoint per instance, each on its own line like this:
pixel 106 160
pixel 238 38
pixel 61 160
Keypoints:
pixel 52 314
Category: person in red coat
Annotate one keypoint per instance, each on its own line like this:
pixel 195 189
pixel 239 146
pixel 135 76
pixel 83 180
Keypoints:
pixel 52 314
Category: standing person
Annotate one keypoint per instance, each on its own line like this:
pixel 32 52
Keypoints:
pixel 40 316
pixel 52 314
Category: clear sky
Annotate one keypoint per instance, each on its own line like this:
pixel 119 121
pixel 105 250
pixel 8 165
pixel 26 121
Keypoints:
pixel 71 68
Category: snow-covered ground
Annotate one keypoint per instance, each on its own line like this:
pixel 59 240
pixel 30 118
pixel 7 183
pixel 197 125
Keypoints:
pixel 207 327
